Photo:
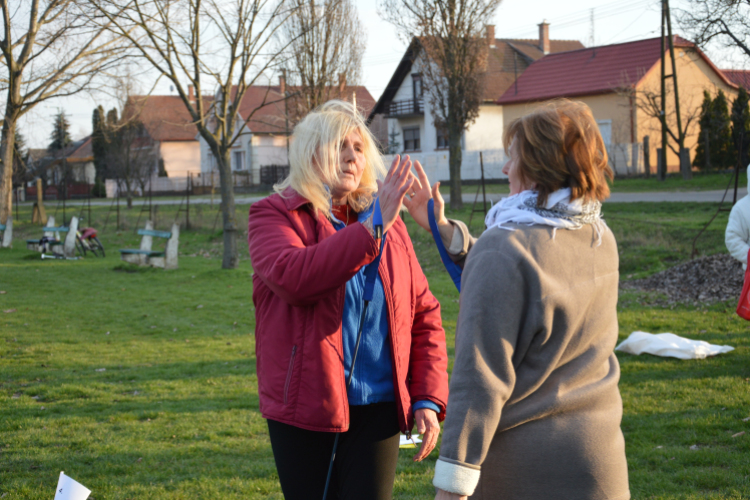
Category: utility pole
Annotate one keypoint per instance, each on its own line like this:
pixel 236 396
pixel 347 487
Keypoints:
pixel 685 168
pixel 684 154
pixel 662 173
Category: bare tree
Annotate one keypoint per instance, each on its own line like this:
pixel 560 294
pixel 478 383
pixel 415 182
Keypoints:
pixel 648 100
pixel 131 156
pixel 324 44
pixel 215 45
pixel 452 60
pixel 49 49
pixel 727 21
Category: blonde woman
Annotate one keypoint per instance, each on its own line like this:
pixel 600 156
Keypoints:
pixel 310 245
pixel 534 408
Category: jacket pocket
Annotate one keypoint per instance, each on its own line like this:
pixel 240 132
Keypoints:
pixel 289 374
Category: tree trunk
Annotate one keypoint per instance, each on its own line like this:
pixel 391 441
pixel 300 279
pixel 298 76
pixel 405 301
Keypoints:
pixel 6 171
pixel 455 131
pixel 228 214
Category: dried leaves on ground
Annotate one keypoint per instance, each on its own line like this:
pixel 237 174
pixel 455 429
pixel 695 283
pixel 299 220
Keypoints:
pixel 705 280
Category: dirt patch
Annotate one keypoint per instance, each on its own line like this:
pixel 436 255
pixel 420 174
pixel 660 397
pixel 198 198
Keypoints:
pixel 705 280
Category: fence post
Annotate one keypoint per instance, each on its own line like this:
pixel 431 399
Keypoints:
pixel 187 212
pixel 661 168
pixel 687 172
pixel 647 156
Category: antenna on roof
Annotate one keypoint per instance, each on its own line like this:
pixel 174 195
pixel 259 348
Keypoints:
pixel 171 88
pixel 592 38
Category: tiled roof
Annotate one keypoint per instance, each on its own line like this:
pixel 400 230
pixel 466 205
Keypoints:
pixel 738 76
pixel 595 70
pixel 509 58
pixel 270 118
pixel 165 117
pixel 505 62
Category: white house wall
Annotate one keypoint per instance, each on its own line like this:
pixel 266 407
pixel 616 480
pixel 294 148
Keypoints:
pixel 181 157
pixel 486 132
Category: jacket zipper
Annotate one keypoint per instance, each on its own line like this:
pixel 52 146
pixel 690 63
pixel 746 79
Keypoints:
pixel 289 373
pixel 396 390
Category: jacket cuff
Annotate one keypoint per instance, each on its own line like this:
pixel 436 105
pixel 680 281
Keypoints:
pixel 455 478
pixel 425 404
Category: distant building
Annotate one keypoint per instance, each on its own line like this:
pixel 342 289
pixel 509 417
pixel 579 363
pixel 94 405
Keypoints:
pixel 612 80
pixel 409 115
pixel 171 129
pixel 77 160
pixel 264 123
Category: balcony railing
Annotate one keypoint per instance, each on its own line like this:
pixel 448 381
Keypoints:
pixel 406 107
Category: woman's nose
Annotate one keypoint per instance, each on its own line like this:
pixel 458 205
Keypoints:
pixel 506 168
pixel 347 154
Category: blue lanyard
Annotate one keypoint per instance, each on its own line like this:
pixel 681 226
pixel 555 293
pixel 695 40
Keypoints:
pixel 450 266
pixel 371 271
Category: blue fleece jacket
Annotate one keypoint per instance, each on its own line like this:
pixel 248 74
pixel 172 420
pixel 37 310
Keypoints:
pixel 372 381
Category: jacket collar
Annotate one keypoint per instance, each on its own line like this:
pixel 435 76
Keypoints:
pixel 292 199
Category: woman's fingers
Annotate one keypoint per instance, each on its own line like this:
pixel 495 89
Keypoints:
pixel 424 181
pixel 429 427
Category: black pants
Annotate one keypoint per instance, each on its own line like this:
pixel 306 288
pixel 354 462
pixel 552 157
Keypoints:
pixel 366 457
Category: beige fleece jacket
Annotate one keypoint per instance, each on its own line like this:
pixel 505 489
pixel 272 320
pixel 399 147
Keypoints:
pixel 534 409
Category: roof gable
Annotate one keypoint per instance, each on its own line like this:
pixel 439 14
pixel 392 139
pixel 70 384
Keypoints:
pixel 595 70
pixel 505 61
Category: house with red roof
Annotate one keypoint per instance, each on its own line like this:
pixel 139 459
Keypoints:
pixel 171 131
pixel 620 83
pixel 265 121
pixel 738 76
pixel 409 116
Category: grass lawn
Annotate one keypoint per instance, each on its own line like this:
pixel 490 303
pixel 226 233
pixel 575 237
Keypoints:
pixel 673 182
pixel 141 385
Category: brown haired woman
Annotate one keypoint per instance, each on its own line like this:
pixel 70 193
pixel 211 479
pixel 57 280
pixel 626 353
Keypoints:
pixel 534 409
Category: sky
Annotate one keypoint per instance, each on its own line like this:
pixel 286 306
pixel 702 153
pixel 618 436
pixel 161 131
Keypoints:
pixel 592 22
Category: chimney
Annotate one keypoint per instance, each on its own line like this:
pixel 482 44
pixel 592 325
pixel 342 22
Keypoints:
pixel 490 29
pixel 191 93
pixel 544 37
pixel 282 83
pixel 342 83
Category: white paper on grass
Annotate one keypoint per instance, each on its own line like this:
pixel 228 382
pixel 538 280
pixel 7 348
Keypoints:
pixel 69 489
pixel 409 443
pixel 670 345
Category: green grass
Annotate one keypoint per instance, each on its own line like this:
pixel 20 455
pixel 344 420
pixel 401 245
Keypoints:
pixel 673 182
pixel 174 414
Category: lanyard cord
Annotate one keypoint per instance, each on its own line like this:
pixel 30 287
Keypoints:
pixel 450 266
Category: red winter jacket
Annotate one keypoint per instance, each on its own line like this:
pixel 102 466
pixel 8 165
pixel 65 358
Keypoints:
pixel 301 266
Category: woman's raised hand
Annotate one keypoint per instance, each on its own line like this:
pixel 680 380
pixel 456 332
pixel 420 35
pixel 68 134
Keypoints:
pixel 397 183
pixel 418 199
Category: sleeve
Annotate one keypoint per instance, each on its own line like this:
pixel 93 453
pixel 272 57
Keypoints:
pixel 737 236
pixel 428 359
pixel 298 273
pixel 425 404
pixel 496 310
pixel 461 242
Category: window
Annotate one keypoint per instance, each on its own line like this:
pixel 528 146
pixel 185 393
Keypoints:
pixel 416 81
pixel 442 139
pixel 411 139
pixel 238 160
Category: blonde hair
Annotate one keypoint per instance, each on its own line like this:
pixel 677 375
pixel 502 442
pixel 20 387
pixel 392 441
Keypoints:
pixel 314 156
pixel 559 145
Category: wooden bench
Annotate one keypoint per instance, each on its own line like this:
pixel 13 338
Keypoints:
pixel 67 248
pixel 7 230
pixel 145 256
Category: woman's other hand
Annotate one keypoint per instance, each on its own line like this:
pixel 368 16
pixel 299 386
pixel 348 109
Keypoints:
pixel 391 192
pixel 417 204
pixel 445 495
pixel 428 426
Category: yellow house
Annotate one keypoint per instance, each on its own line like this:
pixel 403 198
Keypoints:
pixel 621 84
